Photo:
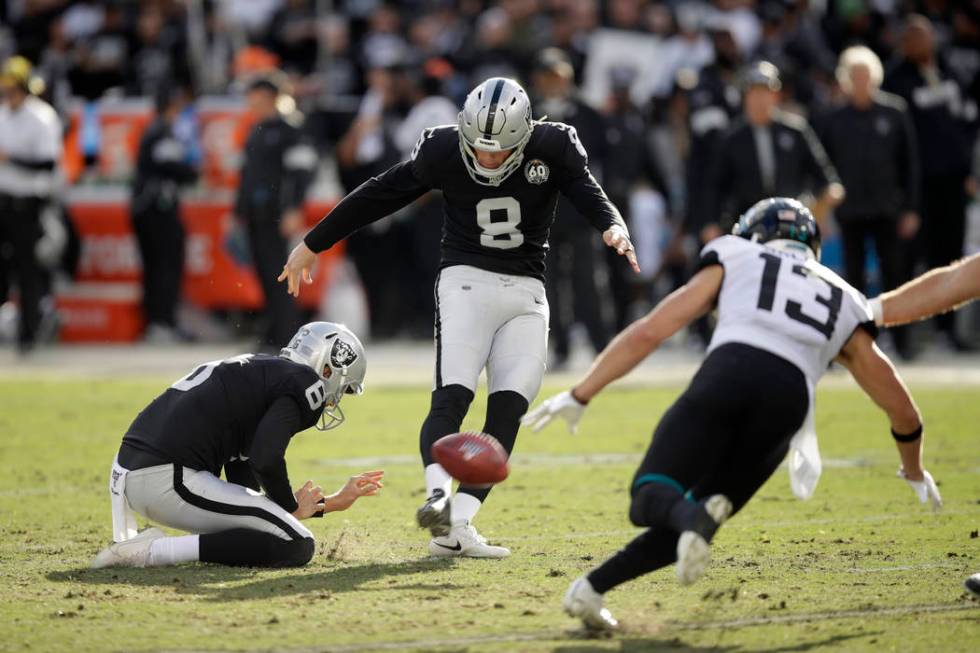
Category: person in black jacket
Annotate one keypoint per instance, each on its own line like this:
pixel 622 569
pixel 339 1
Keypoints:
pixel 872 144
pixel 277 171
pixel 937 107
pixel 162 167
pixel 768 153
pixel 238 414
pixel 573 258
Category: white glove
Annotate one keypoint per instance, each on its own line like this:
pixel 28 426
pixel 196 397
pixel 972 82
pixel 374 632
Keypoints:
pixel 925 489
pixel 561 405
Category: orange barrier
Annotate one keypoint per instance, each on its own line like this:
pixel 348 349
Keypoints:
pixel 104 303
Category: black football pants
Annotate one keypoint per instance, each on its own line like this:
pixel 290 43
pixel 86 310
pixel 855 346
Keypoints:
pixel 726 434
pixel 20 229
pixel 160 235
pixel 269 253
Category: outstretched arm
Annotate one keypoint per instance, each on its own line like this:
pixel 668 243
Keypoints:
pixel 879 379
pixel 631 346
pixel 374 199
pixel 641 338
pixel 937 291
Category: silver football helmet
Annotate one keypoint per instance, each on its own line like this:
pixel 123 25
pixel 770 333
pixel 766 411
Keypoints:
pixel 495 117
pixel 337 356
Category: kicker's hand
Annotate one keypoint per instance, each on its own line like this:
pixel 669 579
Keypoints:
pixel 562 405
pixel 924 487
pixel 366 484
pixel 298 268
pixel 617 238
pixel 308 497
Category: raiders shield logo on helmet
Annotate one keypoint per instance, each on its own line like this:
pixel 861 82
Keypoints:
pixel 342 354
pixel 536 171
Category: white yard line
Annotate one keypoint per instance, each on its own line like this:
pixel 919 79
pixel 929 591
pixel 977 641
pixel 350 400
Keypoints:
pixel 570 637
pixel 551 460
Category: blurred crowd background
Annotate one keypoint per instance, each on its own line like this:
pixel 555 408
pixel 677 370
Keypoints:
pixel 197 140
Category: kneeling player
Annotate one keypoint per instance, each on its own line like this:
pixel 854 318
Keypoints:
pixel 782 318
pixel 238 413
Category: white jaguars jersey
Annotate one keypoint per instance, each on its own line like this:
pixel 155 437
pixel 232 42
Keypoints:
pixel 784 303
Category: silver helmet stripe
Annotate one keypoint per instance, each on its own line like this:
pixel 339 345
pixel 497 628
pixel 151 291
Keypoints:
pixel 492 113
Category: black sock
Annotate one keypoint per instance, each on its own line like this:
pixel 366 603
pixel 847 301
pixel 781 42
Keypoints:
pixel 244 547
pixel 649 551
pixel 658 505
pixel 446 413
pixel 504 412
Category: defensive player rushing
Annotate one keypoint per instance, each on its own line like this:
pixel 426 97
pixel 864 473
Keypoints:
pixel 782 317
pixel 937 291
pixel 239 413
pixel 500 173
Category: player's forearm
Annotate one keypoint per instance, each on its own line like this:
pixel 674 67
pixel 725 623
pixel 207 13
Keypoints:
pixel 588 198
pixel 621 355
pixel 275 482
pixel 936 291
pixel 374 199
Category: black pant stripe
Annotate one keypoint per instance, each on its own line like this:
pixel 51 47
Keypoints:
pixel 228 508
pixel 438 336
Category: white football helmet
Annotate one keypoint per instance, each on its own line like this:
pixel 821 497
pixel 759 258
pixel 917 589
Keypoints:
pixel 496 116
pixel 337 356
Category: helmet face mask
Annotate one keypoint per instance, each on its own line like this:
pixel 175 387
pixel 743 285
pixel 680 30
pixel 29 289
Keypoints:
pixel 496 117
pixel 783 223
pixel 338 358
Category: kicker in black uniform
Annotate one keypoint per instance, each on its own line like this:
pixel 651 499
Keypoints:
pixel 238 414
pixel 500 173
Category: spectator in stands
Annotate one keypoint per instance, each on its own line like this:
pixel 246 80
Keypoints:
pixel 768 153
pixel 293 36
pixel 871 142
pixel 30 146
pixel 162 167
pixel 573 259
pixel 366 149
pixel 937 105
pixel 276 173
pixel 635 185
pixel 713 102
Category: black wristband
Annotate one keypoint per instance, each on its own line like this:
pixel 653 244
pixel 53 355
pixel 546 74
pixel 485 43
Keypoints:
pixel 911 437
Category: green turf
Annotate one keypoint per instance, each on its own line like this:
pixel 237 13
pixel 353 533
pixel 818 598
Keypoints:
pixel 860 567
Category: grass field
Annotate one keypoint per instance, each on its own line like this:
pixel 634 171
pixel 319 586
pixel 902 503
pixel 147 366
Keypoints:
pixel 860 567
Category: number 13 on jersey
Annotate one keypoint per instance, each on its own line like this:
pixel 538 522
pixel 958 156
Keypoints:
pixel 502 234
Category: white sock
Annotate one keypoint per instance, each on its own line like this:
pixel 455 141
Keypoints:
pixel 464 508
pixel 174 550
pixel 436 478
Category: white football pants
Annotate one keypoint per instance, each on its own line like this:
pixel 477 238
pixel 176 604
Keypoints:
pixel 497 321
pixel 200 502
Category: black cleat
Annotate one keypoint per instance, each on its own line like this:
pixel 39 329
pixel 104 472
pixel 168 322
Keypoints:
pixel 972 584
pixel 434 514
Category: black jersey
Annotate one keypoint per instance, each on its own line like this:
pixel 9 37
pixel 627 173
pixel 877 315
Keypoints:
pixel 244 408
pixel 497 228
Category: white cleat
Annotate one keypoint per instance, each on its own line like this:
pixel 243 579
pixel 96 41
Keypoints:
pixel 693 551
pixel 583 602
pixel 134 552
pixel 464 541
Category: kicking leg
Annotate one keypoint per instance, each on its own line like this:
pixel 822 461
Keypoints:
pixel 446 413
pixel 463 332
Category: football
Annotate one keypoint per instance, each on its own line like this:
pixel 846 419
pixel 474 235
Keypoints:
pixel 472 458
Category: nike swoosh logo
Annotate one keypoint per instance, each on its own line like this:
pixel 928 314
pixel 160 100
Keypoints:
pixel 458 547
